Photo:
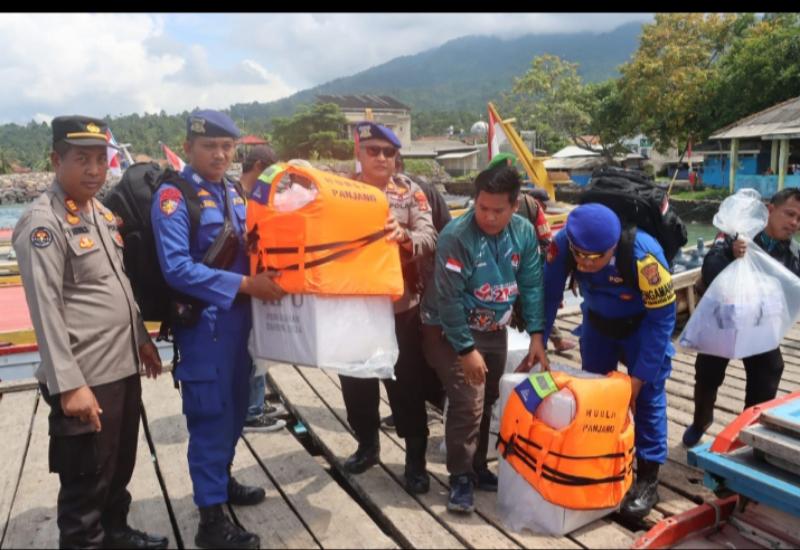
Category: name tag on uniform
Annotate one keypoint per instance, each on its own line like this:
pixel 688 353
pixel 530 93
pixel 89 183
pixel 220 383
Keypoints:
pixel 208 204
pixel 79 230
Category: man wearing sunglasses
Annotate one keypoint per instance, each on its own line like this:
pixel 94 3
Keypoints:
pixel 411 226
pixel 632 324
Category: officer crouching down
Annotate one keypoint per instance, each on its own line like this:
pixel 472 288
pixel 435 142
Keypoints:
pixel 621 323
pixel 214 321
pixel 91 339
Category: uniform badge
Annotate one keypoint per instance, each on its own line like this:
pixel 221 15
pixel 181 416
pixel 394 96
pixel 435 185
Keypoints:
pixel 72 219
pixel 118 238
pixel 41 237
pixel 453 265
pixel 198 125
pixel 238 200
pixel 365 132
pixel 86 242
pixel 93 128
pixel 71 206
pixel 655 282
pixel 515 260
pixel 108 216
pixel 208 203
pixel 203 193
pixel 169 199
pixel 552 252
pixel 615 279
pixel 119 221
pixel 422 201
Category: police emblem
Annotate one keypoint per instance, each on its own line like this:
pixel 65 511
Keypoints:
pixel 552 252
pixel 41 237
pixel 72 219
pixel 198 126
pixel 108 216
pixel 71 206
pixel 86 242
pixel 422 201
pixel 650 272
pixel 118 238
pixel 168 199
pixel 365 132
pixel 93 128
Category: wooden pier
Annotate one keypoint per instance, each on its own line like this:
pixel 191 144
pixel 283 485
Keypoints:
pixel 311 502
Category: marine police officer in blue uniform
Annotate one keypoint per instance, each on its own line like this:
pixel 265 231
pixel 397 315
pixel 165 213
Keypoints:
pixel 211 333
pixel 623 321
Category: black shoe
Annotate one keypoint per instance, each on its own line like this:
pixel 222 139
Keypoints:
pixel 128 537
pixel 417 480
pixel 216 530
pixel 244 495
pixel 461 494
pixel 487 481
pixel 367 455
pixel 387 422
pixel 644 494
pixel 704 399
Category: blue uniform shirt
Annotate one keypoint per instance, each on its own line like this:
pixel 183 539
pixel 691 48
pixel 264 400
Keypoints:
pixel 605 293
pixel 181 260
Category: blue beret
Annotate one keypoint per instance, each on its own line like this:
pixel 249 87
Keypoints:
pixel 209 123
pixel 593 227
pixel 370 130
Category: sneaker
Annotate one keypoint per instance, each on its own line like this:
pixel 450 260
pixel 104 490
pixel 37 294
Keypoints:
pixel 273 411
pixel 263 423
pixel 487 481
pixel 461 494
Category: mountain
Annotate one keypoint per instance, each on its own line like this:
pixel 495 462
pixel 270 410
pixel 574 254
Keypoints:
pixel 465 73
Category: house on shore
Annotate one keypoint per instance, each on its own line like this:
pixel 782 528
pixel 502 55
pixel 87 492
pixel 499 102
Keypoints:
pixel 381 109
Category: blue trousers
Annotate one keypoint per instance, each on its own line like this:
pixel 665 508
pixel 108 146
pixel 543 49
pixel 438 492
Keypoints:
pixel 214 373
pixel 600 354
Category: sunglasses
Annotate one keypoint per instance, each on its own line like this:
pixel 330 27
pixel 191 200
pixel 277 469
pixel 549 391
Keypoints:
pixel 585 255
pixel 374 151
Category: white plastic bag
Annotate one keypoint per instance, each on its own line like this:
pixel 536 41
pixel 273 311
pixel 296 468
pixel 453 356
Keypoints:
pixel 754 301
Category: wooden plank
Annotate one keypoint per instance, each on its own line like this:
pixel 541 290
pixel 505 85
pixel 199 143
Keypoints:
pixel 16 419
pixel 332 516
pixel 408 521
pixel 33 514
pixel 606 535
pixel 26 384
pixel 772 442
pixel 272 520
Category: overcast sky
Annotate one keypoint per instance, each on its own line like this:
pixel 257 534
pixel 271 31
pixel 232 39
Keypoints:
pixel 117 64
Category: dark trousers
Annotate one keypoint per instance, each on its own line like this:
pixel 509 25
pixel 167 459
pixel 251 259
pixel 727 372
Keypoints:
pixel 469 408
pixel 95 467
pixel 762 372
pixel 406 394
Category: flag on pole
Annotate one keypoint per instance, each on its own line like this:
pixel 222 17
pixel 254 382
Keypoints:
pixel 355 150
pixel 496 136
pixel 174 160
pixel 113 155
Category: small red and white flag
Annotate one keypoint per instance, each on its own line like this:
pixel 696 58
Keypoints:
pixel 174 160
pixel 496 136
pixel 453 265
pixel 113 155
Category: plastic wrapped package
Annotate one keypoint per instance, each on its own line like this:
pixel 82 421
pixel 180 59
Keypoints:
pixel 294 197
pixel 519 505
pixel 328 332
pixel 754 301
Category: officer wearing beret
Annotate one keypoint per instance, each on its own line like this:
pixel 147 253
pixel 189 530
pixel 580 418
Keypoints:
pixel 411 226
pixel 621 323
pixel 214 365
pixel 91 338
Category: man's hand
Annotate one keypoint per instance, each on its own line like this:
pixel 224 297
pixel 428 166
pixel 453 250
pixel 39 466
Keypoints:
pixel 148 354
pixel 536 354
pixel 636 387
pixel 262 286
pixel 82 403
pixel 393 230
pixel 739 247
pixel 474 368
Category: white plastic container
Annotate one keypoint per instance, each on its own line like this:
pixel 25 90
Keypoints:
pixel 350 335
pixel 519 505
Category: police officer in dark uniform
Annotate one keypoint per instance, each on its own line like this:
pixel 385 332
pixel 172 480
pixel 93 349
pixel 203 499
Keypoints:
pixel 409 224
pixel 91 339
pixel 214 365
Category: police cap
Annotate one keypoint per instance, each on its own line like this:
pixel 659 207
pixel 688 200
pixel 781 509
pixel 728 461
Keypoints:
pixel 80 130
pixel 593 227
pixel 210 123
pixel 369 130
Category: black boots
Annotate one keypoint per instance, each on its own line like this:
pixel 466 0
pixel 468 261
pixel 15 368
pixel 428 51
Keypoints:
pixel 127 537
pixel 416 478
pixel 704 400
pixel 244 495
pixel 643 495
pixel 218 531
pixel 366 456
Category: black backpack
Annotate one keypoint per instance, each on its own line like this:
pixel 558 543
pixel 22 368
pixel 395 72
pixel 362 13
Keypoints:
pixel 131 200
pixel 639 203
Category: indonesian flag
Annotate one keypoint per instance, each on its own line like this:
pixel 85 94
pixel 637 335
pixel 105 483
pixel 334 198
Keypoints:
pixel 689 154
pixel 496 136
pixel 453 265
pixel 174 160
pixel 113 155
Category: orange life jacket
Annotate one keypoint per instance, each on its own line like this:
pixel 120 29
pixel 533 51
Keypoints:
pixel 589 463
pixel 333 245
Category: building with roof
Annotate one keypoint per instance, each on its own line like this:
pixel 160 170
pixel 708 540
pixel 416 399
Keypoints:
pixel 760 151
pixel 245 143
pixel 381 109
pixel 455 156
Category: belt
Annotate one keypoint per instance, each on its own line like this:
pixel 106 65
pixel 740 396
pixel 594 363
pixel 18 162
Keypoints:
pixel 617 328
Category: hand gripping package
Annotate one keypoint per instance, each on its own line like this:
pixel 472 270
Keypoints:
pixel 565 448
pixel 754 301
pixel 323 234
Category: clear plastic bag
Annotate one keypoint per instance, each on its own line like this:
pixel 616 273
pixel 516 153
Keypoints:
pixel 754 301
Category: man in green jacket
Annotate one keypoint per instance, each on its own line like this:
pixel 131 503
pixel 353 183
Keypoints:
pixel 485 260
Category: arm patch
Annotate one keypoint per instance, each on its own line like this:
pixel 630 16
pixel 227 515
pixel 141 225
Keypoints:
pixel 655 282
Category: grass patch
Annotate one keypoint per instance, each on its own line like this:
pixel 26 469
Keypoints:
pixel 709 193
pixel 421 167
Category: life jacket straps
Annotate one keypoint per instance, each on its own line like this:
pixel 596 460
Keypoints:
pixel 352 246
